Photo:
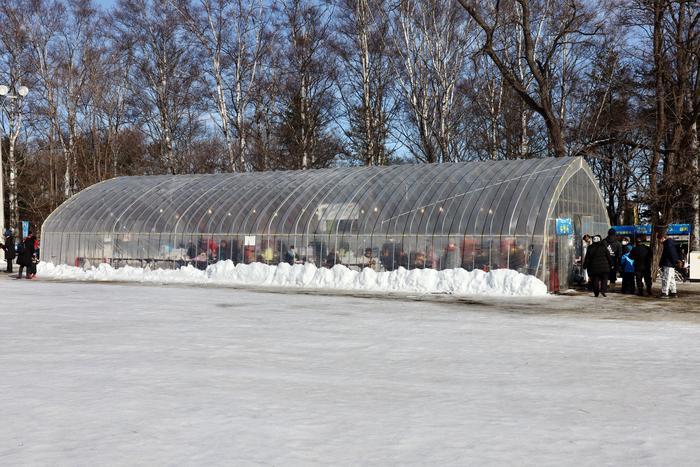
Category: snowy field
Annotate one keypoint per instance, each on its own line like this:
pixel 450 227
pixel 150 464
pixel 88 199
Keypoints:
pixel 129 374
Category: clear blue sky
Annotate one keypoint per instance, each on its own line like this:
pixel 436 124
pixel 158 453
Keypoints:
pixel 105 3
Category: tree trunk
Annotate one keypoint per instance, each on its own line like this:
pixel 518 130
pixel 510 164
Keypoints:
pixel 695 154
pixel 302 117
pixel 240 109
pixel 12 183
pixel 659 131
pixel 223 113
pixel 361 14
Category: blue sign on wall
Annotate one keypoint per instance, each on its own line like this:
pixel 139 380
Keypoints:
pixel 565 226
pixel 624 229
pixel 678 229
pixel 645 229
pixel 25 228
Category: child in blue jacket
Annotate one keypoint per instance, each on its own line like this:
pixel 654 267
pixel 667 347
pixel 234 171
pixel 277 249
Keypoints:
pixel 627 272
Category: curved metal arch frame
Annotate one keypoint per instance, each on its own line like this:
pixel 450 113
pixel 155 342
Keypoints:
pixel 388 187
pixel 248 202
pixel 483 207
pixel 444 185
pixel 334 183
pixel 470 200
pixel 388 209
pixel 246 206
pixel 340 237
pixel 494 208
pixel 521 199
pixel 370 198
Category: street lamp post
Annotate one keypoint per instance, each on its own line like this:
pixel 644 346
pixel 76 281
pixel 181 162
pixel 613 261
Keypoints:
pixel 22 91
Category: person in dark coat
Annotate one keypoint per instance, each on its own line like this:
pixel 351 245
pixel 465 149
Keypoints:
pixel 641 255
pixel 598 263
pixel 191 251
pixel 290 256
pixel 668 263
pixel 9 247
pixel 332 259
pixel 615 250
pixel 26 257
pixel 224 252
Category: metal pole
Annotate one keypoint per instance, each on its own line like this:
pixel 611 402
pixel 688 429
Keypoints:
pixel 2 190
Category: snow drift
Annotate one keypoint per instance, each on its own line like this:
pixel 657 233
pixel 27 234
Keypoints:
pixel 450 281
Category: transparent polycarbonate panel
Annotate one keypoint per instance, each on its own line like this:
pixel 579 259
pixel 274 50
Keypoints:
pixel 579 201
pixel 485 215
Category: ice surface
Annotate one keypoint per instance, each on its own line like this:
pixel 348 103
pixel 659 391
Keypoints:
pixel 451 281
pixel 130 374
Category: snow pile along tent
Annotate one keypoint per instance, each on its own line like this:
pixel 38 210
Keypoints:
pixel 448 281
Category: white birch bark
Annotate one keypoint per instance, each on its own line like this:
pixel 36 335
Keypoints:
pixel 695 154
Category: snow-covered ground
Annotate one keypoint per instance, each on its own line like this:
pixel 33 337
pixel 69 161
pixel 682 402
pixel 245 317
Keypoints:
pixel 450 281
pixel 124 374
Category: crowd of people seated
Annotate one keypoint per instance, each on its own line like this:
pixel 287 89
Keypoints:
pixel 468 254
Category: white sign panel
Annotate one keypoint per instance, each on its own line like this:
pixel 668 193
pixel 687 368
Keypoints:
pixel 695 266
pixel 249 240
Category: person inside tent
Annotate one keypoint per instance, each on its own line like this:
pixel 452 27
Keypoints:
pixel 223 252
pixel 291 256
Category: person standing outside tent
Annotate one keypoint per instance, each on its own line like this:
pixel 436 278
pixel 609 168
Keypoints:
pixel 9 247
pixel 626 247
pixel 641 255
pixel 598 263
pixel 627 267
pixel 669 261
pixel 27 257
pixel 615 250
pixel 584 249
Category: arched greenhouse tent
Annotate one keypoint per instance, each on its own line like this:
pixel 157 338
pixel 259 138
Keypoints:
pixel 485 215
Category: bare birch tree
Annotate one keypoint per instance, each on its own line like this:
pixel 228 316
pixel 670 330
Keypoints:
pixel 366 79
pixel 535 58
pixel 164 76
pixel 306 78
pixel 234 35
pixel 76 52
pixel 432 42
pixel 15 72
